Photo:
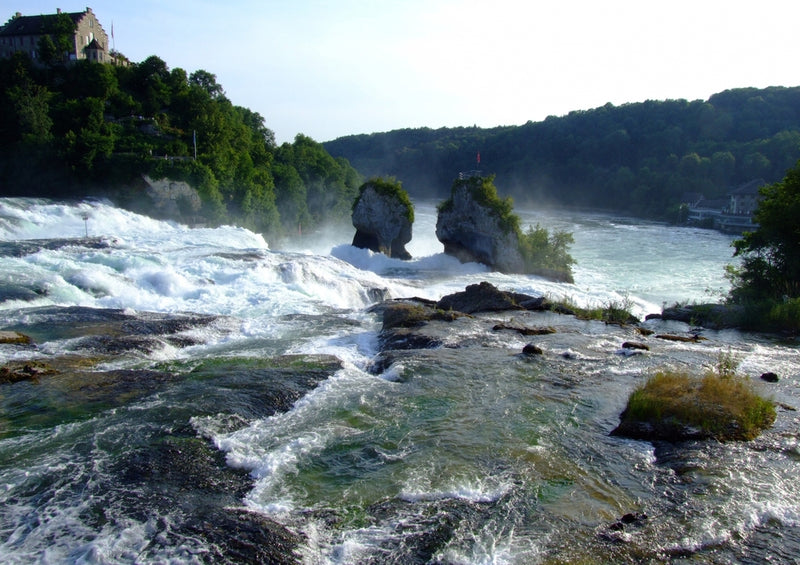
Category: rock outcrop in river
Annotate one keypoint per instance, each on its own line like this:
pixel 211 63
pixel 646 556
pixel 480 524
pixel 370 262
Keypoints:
pixel 472 229
pixel 382 216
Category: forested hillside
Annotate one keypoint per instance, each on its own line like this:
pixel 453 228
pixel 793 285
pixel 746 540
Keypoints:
pixel 91 129
pixel 636 158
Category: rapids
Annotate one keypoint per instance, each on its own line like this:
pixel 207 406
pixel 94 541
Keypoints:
pixel 469 453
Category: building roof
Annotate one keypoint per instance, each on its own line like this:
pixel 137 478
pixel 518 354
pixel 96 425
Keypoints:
pixel 748 187
pixel 717 204
pixel 36 25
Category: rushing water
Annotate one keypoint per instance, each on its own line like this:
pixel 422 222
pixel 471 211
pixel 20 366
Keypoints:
pixel 468 453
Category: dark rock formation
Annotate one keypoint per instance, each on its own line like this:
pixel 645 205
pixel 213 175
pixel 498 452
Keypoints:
pixel 485 297
pixel 532 349
pixel 524 330
pixel 769 377
pixel 694 338
pixel 635 345
pixel 473 232
pixel 667 429
pixel 172 199
pixel 712 316
pixel 382 219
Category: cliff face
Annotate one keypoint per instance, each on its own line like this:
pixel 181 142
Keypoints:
pixel 471 231
pixel 172 199
pixel 382 224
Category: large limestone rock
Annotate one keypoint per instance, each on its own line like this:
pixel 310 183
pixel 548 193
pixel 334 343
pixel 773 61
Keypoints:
pixel 473 231
pixel 382 217
pixel 172 199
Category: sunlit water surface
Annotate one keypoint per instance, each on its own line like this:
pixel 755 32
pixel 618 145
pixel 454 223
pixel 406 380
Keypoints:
pixel 463 454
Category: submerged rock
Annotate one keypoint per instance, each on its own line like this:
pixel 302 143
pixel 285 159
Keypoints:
pixel 524 330
pixel 31 246
pixel 17 371
pixel 14 338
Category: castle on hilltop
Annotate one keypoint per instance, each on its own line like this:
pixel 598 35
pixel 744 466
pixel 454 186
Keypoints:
pixel 71 37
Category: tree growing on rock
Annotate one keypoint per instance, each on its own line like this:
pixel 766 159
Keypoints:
pixel 383 215
pixel 475 224
pixel 768 282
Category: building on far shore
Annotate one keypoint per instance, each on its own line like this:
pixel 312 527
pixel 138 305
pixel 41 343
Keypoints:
pixel 733 214
pixel 89 40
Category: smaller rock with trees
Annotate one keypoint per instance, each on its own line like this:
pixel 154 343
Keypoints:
pixel 475 224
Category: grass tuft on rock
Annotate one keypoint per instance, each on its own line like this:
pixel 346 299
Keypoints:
pixel 675 405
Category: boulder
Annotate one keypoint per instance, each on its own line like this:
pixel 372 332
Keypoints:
pixel 531 349
pixel 472 231
pixel 769 377
pixel 524 330
pixel 382 216
pixel 485 297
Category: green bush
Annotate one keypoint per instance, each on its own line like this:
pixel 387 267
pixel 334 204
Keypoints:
pixel 541 250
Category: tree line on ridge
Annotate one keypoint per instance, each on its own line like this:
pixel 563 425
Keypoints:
pixel 640 158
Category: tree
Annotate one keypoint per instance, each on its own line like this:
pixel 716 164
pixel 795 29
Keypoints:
pixel 770 268
pixel 208 82
pixel 48 52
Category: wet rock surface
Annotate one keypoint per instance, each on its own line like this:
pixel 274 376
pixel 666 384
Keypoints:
pixel 169 470
pixel 383 222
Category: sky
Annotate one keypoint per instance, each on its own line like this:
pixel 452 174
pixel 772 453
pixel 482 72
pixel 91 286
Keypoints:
pixel 328 69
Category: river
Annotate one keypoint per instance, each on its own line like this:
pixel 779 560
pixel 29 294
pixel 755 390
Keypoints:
pixel 467 453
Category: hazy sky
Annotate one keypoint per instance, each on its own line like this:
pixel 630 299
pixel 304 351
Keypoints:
pixel 334 68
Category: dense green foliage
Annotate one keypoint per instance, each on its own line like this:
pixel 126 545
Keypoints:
pixel 768 281
pixel 388 187
pixel 636 158
pixel 87 129
pixel 541 251
pixel 483 191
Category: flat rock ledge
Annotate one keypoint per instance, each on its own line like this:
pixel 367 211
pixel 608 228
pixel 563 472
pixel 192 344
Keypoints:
pixel 712 316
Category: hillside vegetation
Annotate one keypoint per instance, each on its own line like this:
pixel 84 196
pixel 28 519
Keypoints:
pixel 638 158
pixel 91 129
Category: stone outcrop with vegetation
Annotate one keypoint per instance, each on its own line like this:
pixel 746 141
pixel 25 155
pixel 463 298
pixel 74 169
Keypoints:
pixel 475 224
pixel 676 406
pixel 383 217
